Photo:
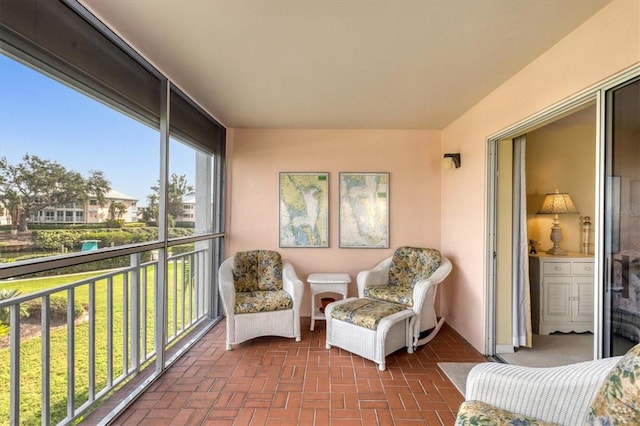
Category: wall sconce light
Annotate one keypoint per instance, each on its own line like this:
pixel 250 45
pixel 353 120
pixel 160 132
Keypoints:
pixel 450 161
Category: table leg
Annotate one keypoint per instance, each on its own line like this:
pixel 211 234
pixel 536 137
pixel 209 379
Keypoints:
pixel 313 310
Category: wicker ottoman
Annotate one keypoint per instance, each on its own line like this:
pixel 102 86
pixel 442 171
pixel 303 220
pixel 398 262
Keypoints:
pixel 370 328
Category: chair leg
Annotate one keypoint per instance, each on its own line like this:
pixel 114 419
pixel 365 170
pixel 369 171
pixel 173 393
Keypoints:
pixel 430 336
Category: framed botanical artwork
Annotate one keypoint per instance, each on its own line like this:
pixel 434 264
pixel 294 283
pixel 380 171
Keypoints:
pixel 364 210
pixel 304 209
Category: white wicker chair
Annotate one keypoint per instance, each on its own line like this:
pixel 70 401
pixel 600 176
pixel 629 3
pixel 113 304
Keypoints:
pixel 559 395
pixel 245 326
pixel 424 294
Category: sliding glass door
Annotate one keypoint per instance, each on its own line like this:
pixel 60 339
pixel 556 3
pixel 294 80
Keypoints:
pixel 622 219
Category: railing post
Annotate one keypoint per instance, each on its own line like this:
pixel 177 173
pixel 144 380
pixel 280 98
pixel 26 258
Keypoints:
pixel 110 332
pixel 45 315
pixel 14 416
pixel 71 360
pixel 135 310
pixel 92 341
pixel 125 324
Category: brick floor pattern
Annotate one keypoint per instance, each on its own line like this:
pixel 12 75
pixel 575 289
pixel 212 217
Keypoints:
pixel 278 381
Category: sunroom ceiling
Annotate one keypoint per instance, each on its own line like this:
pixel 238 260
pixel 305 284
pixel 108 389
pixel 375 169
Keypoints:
pixel 341 64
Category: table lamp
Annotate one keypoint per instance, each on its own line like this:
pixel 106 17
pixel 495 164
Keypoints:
pixel 557 203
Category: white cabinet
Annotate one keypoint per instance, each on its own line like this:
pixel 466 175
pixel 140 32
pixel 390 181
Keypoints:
pixel 561 293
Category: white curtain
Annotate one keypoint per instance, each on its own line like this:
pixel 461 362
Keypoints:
pixel 521 328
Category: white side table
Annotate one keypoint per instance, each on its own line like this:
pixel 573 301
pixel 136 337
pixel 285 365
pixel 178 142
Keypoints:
pixel 326 283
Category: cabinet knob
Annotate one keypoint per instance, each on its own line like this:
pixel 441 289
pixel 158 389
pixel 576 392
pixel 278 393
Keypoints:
pixel 557 268
pixel 587 268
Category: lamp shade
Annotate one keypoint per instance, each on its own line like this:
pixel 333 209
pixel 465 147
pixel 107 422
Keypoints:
pixel 558 203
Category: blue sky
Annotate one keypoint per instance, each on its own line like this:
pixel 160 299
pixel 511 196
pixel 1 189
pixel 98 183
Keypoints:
pixel 43 117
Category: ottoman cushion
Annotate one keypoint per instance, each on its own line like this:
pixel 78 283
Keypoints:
pixel 365 313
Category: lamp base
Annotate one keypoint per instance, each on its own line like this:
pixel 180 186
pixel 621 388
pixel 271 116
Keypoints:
pixel 556 251
pixel 556 238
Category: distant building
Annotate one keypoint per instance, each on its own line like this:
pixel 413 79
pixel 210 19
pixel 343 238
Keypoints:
pixel 188 208
pixel 90 212
pixel 97 214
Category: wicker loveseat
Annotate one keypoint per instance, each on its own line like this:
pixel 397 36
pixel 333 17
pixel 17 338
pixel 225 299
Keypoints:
pixel 261 296
pixel 410 278
pixel 601 392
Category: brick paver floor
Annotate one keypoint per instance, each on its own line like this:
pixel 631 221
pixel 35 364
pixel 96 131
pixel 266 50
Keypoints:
pixel 278 381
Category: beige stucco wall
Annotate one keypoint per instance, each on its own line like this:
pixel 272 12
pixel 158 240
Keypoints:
pixel 412 157
pixel 604 45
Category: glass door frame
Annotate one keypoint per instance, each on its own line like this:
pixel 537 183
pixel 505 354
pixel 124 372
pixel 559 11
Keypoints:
pixel 594 93
pixel 604 261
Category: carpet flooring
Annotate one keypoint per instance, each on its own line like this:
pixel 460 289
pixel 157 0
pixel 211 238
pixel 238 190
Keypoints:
pixel 547 351
pixel 553 350
pixel 457 373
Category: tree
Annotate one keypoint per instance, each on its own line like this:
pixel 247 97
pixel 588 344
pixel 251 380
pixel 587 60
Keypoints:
pixel 117 209
pixel 35 184
pixel 178 186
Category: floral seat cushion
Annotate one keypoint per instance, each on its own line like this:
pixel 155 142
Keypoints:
pixel 618 399
pixel 408 265
pixel 262 301
pixel 365 313
pixel 257 270
pixel 477 413
pixel 391 293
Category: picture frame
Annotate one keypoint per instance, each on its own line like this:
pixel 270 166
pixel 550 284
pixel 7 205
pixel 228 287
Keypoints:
pixel 364 210
pixel 304 209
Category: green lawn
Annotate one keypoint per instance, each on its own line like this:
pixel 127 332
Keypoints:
pixel 30 350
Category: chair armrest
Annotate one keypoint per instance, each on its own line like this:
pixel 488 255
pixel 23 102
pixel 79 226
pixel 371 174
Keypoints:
pixel 442 272
pixel 226 286
pixel 292 284
pixel 558 394
pixel 422 287
pixel 376 276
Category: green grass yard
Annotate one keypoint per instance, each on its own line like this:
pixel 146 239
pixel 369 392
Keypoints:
pixel 30 349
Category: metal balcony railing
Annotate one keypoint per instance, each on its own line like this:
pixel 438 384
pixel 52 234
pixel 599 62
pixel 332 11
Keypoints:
pixel 111 342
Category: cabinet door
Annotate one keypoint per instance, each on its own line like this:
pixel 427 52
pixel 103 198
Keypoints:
pixel 557 293
pixel 582 299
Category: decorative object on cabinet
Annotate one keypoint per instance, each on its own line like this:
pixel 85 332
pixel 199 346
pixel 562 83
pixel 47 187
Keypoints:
pixel 556 203
pixel 304 209
pixel 364 210
pixel 561 293
pixel 586 231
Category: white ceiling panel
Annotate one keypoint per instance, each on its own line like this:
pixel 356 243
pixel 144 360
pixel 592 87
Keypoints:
pixel 341 64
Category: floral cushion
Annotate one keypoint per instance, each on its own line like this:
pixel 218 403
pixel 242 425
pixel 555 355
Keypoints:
pixel 257 270
pixel 262 301
pixel 411 264
pixel 618 399
pixel 408 265
pixel 390 293
pixel 479 413
pixel 365 313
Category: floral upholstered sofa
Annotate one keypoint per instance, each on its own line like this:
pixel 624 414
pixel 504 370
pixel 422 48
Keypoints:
pixel 601 392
